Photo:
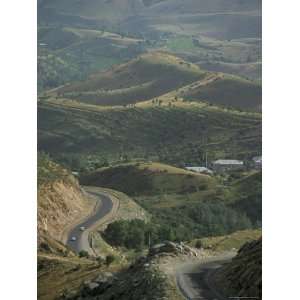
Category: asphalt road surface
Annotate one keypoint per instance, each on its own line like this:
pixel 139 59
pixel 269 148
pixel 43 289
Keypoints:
pixel 104 206
pixel 194 280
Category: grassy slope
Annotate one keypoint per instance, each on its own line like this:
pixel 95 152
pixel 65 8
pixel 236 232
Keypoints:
pixel 157 73
pixel 246 70
pixel 229 91
pixel 71 53
pixel 143 78
pixel 228 242
pixel 147 179
pixel 170 134
pixel 246 195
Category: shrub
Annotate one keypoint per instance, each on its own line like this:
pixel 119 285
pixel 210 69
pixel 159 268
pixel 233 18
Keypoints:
pixel 199 244
pixel 109 259
pixel 83 253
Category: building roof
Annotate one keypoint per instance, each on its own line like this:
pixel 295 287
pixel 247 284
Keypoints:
pixel 199 169
pixel 228 162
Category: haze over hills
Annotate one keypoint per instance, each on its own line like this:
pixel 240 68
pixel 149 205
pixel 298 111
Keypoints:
pixel 217 32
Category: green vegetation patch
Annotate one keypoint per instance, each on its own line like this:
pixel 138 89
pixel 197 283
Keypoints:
pixel 147 179
pixel 175 135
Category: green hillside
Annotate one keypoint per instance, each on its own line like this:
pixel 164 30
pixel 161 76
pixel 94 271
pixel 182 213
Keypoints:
pixel 70 53
pixel 147 179
pixel 247 196
pixel 168 134
pixel 245 70
pixel 143 78
pixel 227 90
pixel 157 73
pixel 183 204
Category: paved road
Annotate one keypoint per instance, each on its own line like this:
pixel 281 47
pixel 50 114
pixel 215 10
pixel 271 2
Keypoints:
pixel 104 206
pixel 194 279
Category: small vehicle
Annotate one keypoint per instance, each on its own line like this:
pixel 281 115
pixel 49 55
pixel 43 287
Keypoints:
pixel 82 228
pixel 73 238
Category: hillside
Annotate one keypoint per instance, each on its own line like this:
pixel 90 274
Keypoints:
pixel 228 242
pixel 143 78
pixel 243 276
pixel 182 203
pixel 227 90
pixel 60 202
pixel 177 134
pixel 147 179
pixel 100 9
pixel 251 71
pixel 72 53
pixel 206 6
pixel 246 196
pixel 120 9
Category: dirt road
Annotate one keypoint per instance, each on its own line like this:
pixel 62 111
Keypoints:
pixel 194 280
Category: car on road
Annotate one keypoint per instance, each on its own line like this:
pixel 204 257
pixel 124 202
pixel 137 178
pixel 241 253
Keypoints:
pixel 73 238
pixel 82 228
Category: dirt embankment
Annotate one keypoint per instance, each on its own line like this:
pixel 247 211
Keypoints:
pixel 60 203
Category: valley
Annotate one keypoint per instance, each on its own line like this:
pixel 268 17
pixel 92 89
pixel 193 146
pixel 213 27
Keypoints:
pixel 149 149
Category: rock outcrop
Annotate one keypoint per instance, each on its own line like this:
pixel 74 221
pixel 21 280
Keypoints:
pixel 243 276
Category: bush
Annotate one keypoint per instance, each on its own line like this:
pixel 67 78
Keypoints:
pixel 109 259
pixel 100 260
pixel 199 244
pixel 83 253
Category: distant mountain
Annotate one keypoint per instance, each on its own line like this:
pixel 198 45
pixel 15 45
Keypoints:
pixel 203 6
pixel 99 9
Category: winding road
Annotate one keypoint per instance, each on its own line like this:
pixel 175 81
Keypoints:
pixel 103 207
pixel 195 282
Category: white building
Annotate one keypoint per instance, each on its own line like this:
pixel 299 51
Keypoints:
pixel 222 165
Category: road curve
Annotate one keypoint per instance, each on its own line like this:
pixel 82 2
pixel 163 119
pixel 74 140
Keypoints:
pixel 194 279
pixel 103 207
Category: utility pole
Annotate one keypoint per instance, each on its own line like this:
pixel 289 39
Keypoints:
pixel 206 159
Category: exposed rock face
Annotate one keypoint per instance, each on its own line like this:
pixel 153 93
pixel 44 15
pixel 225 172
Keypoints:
pixel 243 276
pixel 173 248
pixel 142 280
pixel 60 202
